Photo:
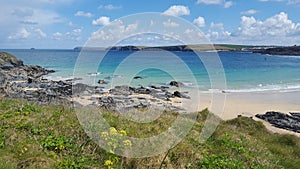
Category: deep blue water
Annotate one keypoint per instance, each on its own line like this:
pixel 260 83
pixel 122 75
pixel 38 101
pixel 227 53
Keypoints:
pixel 244 72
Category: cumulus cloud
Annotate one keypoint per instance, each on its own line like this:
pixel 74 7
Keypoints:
pixel 217 33
pixel 225 4
pixel 84 14
pixel 278 25
pixel 169 23
pixel 57 35
pixel 109 7
pixel 200 21
pixel 101 21
pixel 228 4
pixel 75 34
pixel 216 25
pixel 40 33
pixel 114 31
pixel 210 2
pixel 21 34
pixel 177 10
pixel 249 12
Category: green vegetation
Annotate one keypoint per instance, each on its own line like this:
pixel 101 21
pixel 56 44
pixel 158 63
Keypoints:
pixel 34 136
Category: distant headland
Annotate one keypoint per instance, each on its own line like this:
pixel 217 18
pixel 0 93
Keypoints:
pixel 272 50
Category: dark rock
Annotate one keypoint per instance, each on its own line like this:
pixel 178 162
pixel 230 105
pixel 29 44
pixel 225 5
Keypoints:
pixel 137 77
pixel 154 87
pixel 107 102
pixel 181 95
pixel 29 80
pixel 74 79
pixel 101 81
pixel 121 90
pixel 285 121
pixel 296 115
pixel 175 83
pixel 142 90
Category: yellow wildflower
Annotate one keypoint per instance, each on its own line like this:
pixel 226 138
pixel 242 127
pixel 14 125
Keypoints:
pixel 127 143
pixel 60 147
pixel 123 132
pixel 108 163
pixel 104 134
pixel 113 131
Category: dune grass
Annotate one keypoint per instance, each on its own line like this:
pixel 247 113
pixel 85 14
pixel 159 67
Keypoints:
pixel 34 136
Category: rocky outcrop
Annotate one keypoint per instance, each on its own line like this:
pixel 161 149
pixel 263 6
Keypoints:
pixel 176 84
pixel 285 121
pixel 8 61
pixel 27 82
pixel 127 97
pixel 21 81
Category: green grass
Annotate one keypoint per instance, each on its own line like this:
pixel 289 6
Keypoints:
pixel 34 136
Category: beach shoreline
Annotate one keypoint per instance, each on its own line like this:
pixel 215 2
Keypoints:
pixel 252 103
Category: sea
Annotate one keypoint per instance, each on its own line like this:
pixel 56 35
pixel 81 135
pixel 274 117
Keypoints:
pixel 234 71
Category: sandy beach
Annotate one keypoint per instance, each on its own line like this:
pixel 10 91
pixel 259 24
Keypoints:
pixel 250 104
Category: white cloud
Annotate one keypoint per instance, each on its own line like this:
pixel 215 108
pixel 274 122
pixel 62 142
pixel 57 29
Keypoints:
pixel 225 4
pixel 193 36
pixel 70 24
pixel 228 4
pixel 169 23
pixel 200 22
pixel 217 25
pixel 21 34
pixel 217 33
pixel 109 7
pixel 28 22
pixel 210 2
pixel 291 2
pixel 75 34
pixel 249 12
pixel 114 31
pixel 44 17
pixel 84 14
pixel 277 25
pixel 177 10
pixel 26 12
pixel 101 21
pixel 32 16
pixel 271 0
pixel 50 1
pixel 57 35
pixel 41 34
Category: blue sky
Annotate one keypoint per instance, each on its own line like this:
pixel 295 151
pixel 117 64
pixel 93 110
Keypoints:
pixel 69 23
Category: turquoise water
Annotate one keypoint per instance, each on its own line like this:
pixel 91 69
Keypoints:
pixel 244 72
